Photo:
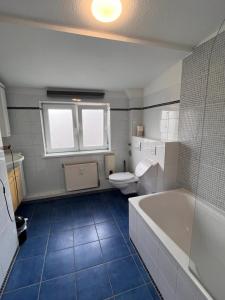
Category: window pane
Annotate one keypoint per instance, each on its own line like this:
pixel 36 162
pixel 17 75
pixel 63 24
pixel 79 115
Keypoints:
pixel 61 128
pixel 93 127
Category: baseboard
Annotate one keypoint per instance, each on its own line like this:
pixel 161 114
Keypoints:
pixel 65 195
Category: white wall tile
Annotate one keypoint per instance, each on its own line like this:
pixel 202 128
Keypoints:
pixel 161 121
pixel 46 176
pixel 185 289
pixel 168 268
pixel 2 276
pixel 165 289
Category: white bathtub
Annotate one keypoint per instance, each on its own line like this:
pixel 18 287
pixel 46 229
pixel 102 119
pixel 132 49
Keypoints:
pixel 160 226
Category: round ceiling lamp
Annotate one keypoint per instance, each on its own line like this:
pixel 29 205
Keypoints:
pixel 106 11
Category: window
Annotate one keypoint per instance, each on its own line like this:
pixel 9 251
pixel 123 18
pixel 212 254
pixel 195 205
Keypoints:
pixel 75 127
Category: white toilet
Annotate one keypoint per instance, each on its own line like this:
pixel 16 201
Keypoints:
pixel 128 182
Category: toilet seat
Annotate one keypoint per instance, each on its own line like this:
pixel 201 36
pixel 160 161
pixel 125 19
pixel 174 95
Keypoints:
pixel 123 177
pixel 128 182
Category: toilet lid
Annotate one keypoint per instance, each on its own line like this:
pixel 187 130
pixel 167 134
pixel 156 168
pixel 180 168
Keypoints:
pixel 124 176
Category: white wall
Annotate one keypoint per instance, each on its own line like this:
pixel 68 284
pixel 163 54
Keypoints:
pixel 45 176
pixel 166 88
pixel 8 234
pixel 135 97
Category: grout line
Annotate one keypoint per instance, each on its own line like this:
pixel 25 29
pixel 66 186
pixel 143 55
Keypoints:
pixel 21 288
pixel 45 254
pixel 131 253
pixel 127 291
pixel 74 263
pixel 126 245
pixel 105 263
pixel 110 207
pixel 29 257
pixel 14 260
pixel 68 274
pixel 152 280
pixel 156 288
pixel 82 270
pixel 5 282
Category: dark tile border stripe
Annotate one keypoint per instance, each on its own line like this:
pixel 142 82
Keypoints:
pixel 112 109
pixel 161 104
pixel 24 107
pixel 126 109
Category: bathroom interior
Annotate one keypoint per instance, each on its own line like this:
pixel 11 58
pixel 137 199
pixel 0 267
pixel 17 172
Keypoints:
pixel 112 150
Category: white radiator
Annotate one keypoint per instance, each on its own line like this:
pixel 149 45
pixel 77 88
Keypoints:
pixel 81 176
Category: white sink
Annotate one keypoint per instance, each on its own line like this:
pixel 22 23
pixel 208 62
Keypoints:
pixel 17 157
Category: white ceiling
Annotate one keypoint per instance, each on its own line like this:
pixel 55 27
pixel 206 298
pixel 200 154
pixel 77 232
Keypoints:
pixel 181 21
pixel 31 56
pixel 39 58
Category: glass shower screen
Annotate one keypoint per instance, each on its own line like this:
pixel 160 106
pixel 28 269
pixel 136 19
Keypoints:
pixel 207 255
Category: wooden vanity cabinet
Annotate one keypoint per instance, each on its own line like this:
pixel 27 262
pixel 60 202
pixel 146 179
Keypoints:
pixel 14 186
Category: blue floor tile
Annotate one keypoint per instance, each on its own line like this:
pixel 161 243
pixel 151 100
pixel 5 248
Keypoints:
pixel 26 210
pixel 85 235
pixel 59 263
pixel 25 272
pixel 60 217
pixel 82 220
pixel 141 268
pixel 28 293
pixel 36 228
pixel 88 235
pixel 61 226
pixel 62 214
pixel 124 227
pixel 93 284
pixel 101 215
pixel 44 207
pixel 113 248
pixel 107 229
pixel 87 255
pixel 126 236
pixel 153 292
pixel 60 240
pixel 124 275
pixel 81 208
pixel 63 202
pixel 42 216
pixel 33 246
pixel 62 288
pixel 141 293
pixel 131 247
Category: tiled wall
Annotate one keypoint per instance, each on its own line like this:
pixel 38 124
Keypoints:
pixel 135 116
pixel 162 122
pixel 45 176
pixel 202 136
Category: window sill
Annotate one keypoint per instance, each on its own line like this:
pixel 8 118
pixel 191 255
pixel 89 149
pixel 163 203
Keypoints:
pixel 80 153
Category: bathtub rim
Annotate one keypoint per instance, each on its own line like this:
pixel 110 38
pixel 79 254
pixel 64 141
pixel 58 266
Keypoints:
pixel 178 255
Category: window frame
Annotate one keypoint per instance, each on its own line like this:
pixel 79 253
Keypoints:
pixel 94 106
pixel 76 108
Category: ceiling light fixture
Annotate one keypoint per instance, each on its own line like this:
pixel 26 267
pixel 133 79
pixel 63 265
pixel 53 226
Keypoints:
pixel 106 11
